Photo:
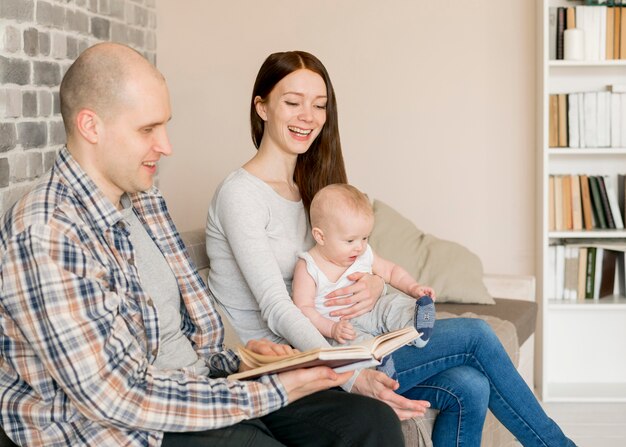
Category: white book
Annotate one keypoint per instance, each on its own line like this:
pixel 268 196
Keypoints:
pixel 581 120
pixel 591 119
pixel 598 272
pixel 601 12
pixel 622 119
pixel 616 136
pixel 617 88
pixel 572 120
pixel 611 192
pixel 552 33
pixel 560 271
pixel 582 17
pixel 604 119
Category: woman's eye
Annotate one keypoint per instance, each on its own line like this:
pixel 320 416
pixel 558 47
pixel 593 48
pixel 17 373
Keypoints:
pixel 289 103
pixel 321 107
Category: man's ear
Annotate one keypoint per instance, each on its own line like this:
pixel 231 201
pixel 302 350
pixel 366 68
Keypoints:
pixel 259 106
pixel 87 125
pixel 318 235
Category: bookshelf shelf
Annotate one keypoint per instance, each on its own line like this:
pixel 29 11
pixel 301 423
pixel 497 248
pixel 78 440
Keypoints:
pixel 588 234
pixel 581 342
pixel 572 152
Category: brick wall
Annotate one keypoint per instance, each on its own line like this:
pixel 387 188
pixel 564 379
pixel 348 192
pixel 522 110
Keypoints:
pixel 38 41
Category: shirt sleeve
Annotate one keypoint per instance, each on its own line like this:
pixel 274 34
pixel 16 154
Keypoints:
pixel 243 216
pixel 57 293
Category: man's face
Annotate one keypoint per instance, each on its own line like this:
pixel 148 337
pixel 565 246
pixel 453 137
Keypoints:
pixel 134 137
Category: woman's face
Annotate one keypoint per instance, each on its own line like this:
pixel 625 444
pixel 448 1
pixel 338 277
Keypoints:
pixel 294 112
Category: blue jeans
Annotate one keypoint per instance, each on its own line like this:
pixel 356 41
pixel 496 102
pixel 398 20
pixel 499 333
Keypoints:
pixel 464 370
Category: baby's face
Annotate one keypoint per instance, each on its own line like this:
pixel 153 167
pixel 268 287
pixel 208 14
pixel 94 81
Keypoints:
pixel 345 237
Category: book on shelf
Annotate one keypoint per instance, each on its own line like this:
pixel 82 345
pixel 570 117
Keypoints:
pixel 554 121
pixel 591 272
pixel 582 273
pixel 596 201
pixel 621 194
pixel 585 198
pixel 562 116
pixel 606 207
pixel 616 136
pixel 622 119
pixel 567 202
pixel 610 33
pixel 617 25
pixel 558 203
pixel 572 120
pixel 551 216
pixel 590 115
pixel 622 37
pixel 560 29
pixel 341 358
pixel 577 212
pixel 611 192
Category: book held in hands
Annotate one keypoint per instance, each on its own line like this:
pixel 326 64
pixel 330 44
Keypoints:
pixel 340 358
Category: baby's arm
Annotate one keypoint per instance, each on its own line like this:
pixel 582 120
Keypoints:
pixel 399 278
pixel 303 294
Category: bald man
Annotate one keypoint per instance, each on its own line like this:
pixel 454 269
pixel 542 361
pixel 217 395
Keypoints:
pixel 108 336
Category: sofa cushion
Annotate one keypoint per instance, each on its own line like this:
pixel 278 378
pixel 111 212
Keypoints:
pixel 451 269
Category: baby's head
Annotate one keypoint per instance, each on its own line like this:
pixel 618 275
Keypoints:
pixel 342 219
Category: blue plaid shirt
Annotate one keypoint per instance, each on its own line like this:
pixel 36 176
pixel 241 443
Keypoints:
pixel 78 335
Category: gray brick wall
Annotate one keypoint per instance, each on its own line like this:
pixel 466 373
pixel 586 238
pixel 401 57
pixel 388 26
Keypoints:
pixel 39 39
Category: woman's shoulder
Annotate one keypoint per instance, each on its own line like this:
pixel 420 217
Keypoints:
pixel 240 182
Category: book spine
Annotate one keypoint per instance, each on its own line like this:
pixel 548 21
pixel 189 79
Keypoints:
pixel 596 201
pixel 606 206
pixel 590 276
pixel 560 29
pixel 585 198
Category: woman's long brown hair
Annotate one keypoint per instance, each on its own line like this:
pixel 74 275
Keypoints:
pixel 322 164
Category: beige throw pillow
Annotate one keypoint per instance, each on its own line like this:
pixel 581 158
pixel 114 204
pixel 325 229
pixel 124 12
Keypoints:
pixel 451 269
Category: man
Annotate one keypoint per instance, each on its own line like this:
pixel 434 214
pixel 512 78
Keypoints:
pixel 107 334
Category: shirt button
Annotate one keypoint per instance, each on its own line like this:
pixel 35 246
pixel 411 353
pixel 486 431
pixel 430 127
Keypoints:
pixel 150 302
pixel 155 352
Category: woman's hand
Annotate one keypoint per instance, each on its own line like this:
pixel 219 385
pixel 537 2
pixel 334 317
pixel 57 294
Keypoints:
pixel 266 347
pixel 363 294
pixel 377 385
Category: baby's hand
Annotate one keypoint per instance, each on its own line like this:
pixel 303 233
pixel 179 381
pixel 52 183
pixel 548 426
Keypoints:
pixel 418 291
pixel 343 331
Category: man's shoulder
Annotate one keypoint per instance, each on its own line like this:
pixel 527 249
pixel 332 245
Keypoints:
pixel 49 199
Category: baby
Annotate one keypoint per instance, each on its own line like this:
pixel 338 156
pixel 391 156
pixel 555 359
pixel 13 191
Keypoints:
pixel 342 219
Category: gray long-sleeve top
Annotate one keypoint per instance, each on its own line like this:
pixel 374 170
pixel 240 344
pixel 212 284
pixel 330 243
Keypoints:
pixel 253 238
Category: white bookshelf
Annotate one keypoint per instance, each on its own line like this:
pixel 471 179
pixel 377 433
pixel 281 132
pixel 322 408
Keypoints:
pixel 582 345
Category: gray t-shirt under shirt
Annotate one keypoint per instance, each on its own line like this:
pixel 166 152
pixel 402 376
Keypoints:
pixel 159 282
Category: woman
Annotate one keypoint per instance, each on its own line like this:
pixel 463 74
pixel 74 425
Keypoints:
pixel 257 224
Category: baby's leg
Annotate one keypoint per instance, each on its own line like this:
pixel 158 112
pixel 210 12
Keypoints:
pixel 424 320
pixel 396 311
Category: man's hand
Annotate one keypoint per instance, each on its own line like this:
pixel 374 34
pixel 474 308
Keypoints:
pixel 266 347
pixel 302 382
pixel 343 331
pixel 376 384
pixel 363 294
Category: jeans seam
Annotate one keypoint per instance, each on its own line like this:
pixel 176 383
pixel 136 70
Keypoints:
pixel 502 399
pixel 458 429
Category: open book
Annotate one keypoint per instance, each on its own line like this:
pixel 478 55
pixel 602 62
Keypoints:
pixel 340 358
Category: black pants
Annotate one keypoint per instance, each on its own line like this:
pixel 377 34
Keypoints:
pixel 327 418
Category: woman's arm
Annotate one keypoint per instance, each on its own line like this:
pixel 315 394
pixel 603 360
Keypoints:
pixel 244 215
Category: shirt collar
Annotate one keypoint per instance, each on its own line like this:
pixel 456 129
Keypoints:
pixel 103 213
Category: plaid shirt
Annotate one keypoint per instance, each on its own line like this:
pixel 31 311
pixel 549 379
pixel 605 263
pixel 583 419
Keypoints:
pixel 78 335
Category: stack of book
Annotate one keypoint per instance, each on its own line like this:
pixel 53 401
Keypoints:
pixel 604 30
pixel 583 271
pixel 588 119
pixel 586 202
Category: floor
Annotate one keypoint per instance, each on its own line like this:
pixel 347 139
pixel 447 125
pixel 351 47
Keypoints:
pixel 591 424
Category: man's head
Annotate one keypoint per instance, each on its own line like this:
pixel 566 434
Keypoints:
pixel 115 106
pixel 342 219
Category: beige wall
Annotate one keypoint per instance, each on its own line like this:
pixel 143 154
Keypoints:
pixel 436 106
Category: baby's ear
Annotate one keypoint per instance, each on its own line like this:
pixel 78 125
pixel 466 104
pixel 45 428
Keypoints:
pixel 318 235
